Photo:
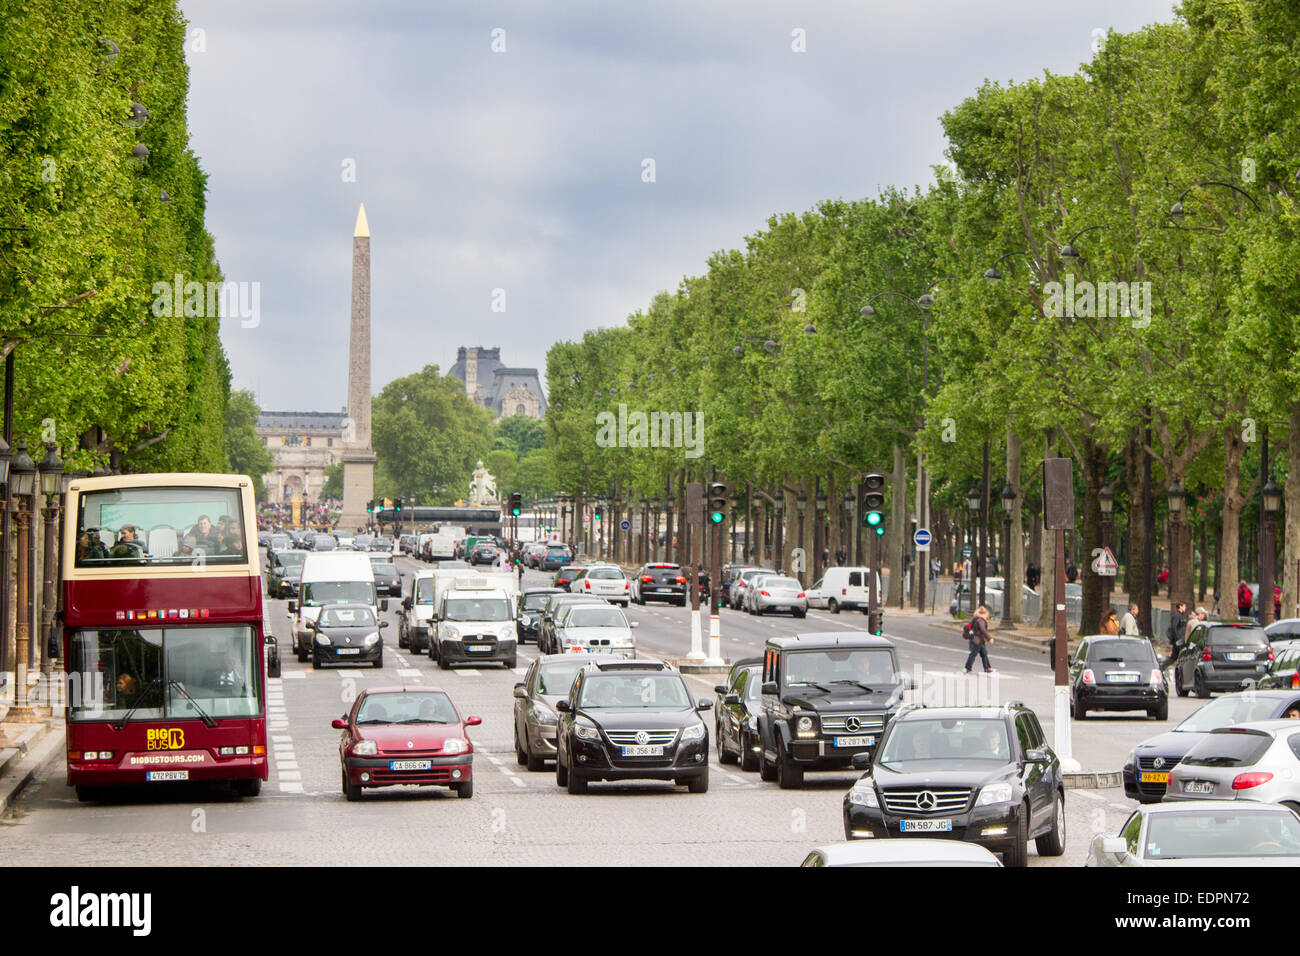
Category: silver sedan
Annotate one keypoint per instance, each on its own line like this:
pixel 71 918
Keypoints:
pixel 776 593
pixel 1256 761
pixel 1202 833
pixel 548 680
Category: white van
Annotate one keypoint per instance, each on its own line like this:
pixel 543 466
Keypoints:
pixel 415 627
pixel 331 577
pixel 844 589
pixel 442 547
pixel 474 625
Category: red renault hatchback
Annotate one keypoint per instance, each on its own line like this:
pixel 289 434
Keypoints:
pixel 405 736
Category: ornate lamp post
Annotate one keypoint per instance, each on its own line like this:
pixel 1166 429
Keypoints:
pixel 801 502
pixel 849 522
pixel 1268 556
pixel 22 477
pixel 51 472
pixel 820 535
pixel 654 523
pixel 645 530
pixel 974 503
pixel 1177 499
pixel 1008 505
pixel 1106 501
pixel 778 554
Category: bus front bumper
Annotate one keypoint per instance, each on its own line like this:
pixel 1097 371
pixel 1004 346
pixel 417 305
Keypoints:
pixel 134 768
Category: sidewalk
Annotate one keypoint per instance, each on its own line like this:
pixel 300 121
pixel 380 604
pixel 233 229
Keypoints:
pixel 25 747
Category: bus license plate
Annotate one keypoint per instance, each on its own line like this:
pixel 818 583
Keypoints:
pixel 1198 786
pixel 643 751
pixel 1155 777
pixel 925 826
pixel 855 741
pixel 410 764
pixel 156 775
pixel 349 650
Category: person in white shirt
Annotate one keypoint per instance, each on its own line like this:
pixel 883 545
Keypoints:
pixel 1129 625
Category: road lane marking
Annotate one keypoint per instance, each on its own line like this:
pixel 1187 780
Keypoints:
pixel 293 674
pixel 407 672
pixel 470 671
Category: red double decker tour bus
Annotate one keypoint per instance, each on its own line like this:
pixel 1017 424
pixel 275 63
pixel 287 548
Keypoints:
pixel 163 632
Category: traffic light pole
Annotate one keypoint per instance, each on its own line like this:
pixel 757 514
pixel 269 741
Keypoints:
pixel 695 515
pixel 715 619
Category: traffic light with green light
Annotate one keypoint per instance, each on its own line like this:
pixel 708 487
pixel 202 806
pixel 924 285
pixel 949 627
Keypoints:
pixel 370 506
pixel 718 498
pixel 873 502
pixel 516 504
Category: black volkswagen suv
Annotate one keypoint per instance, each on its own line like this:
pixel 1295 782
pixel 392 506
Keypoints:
pixel 825 698
pixel 980 774
pixel 631 720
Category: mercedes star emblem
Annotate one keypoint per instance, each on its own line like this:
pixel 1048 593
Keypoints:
pixel 853 725
pixel 926 800
pixel 642 737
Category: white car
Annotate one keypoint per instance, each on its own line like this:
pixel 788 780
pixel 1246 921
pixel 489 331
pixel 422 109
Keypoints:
pixel 594 629
pixel 474 625
pixel 604 580
pixel 917 852
pixel 1216 833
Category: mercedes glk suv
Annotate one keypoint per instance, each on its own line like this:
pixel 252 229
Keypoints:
pixel 826 697
pixel 630 720
pixel 980 774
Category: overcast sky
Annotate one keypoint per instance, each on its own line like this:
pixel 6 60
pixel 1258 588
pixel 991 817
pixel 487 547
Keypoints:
pixel 522 170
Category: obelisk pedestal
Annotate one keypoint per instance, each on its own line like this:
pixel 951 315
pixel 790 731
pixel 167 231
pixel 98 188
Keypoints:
pixel 358 458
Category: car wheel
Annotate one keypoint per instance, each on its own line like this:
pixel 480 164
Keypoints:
pixel 748 759
pixel 766 771
pixel 302 654
pixel 561 772
pixel 699 783
pixel 465 790
pixel 1052 843
pixel 1161 712
pixel 1178 685
pixel 576 784
pixel 248 787
pixel 758 610
pixel 315 662
pixel 833 606
pixel 379 661
pixel 1080 712
pixel 442 664
pixel 401 638
pixel 800 614
pixel 351 791
pixel 1198 683
pixel 1017 854
pixel 723 755
pixel 789 775
pixel 512 663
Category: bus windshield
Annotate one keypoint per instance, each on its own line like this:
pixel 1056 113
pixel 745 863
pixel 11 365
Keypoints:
pixel 164 673
pixel 160 525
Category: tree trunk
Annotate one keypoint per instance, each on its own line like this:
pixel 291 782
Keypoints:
pixel 1291 529
pixel 1094 476
pixel 1205 563
pixel 1013 592
pixel 897 518
pixel 1234 501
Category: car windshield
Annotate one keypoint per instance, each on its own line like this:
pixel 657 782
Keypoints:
pixel 323 542
pixel 319 593
pixel 535 602
pixel 293 559
pixel 406 708
pixel 1234 747
pixel 1227 711
pixel 1116 652
pixel 871 666
pixel 476 609
pixel 383 564
pixel 556 679
pixel 1222 833
pixel 424 590
pixel 919 744
pixel 605 574
pixel 346 617
pixel 789 583
pixel 634 690
pixel 596 617
pixel 1237 635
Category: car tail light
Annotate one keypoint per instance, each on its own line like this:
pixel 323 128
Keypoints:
pixel 1157 678
pixel 1088 677
pixel 1295 678
pixel 1207 656
pixel 1270 653
pixel 680 580
pixel 764 593
pixel 1244 781
pixel 646 579
pixel 802 594
pixel 843 591
pixel 624 585
pixel 587 585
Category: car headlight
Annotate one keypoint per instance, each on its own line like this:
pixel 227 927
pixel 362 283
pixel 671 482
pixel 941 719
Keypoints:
pixel 804 724
pixel 543 714
pixel 365 748
pixel 455 745
pixel 995 793
pixel 450 634
pixel 506 633
pixel 1131 760
pixel 322 640
pixel 693 733
pixel 864 794
pixel 586 732
pixel 372 639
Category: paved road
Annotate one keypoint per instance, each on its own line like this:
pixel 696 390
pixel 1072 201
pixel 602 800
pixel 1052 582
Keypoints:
pixel 517 817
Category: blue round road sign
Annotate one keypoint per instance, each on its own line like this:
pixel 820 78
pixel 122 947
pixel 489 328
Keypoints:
pixel 921 537
pixel 625 524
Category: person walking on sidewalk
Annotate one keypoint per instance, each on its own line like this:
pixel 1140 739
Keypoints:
pixel 1129 625
pixel 980 638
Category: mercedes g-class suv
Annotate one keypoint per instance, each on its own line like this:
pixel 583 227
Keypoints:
pixel 825 698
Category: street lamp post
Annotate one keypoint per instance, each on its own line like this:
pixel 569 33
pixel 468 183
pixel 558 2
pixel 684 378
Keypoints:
pixel 1177 498
pixel 654 522
pixel 1106 501
pixel 777 559
pixel 820 536
pixel 645 528
pixel 850 521
pixel 51 472
pixel 974 503
pixel 1008 505
pixel 1268 557
pixel 22 476
pixel 801 502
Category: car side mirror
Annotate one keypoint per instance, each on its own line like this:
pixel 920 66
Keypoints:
pixel 473 721
pixel 382 625
pixel 769 687
pixel 633 623
pixel 520 692
pixel 1036 756
pixel 383 605
pixel 310 625
pixel 862 761
pixel 704 704
pixel 562 706
pixel 731 699
pixel 719 688
pixel 338 723
pixel 293 607
pixel 1116 845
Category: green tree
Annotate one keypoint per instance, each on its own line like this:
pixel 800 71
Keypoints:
pixel 333 487
pixel 520 434
pixel 246 453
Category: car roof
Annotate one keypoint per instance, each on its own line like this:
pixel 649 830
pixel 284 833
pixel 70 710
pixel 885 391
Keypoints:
pixel 748 662
pixel 956 713
pixel 1183 806
pixel 528 591
pixel 579 658
pixel 1273 726
pixel 601 663
pixel 915 850
pixel 1278 693
pixel 821 639
pixel 403 689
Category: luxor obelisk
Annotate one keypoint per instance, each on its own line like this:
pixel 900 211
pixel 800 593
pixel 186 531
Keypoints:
pixel 358 458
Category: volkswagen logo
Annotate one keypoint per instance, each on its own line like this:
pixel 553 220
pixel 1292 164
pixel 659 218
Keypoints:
pixel 1159 762
pixel 927 801
pixel 853 725
pixel 642 737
